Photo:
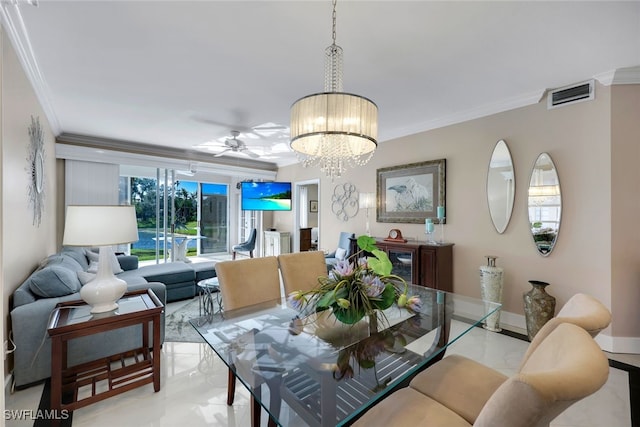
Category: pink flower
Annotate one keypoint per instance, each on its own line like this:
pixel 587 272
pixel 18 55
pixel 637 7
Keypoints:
pixel 362 263
pixel 342 268
pixel 414 303
pixel 372 285
pixel 297 300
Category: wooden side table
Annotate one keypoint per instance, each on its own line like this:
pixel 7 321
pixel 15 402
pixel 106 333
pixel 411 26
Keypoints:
pixel 107 376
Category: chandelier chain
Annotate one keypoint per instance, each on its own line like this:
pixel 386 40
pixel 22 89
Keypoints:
pixel 334 14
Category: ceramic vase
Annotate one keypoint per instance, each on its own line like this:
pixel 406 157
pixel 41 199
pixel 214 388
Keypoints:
pixel 491 282
pixel 539 307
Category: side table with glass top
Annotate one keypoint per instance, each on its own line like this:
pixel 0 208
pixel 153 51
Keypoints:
pixel 207 302
pixel 97 380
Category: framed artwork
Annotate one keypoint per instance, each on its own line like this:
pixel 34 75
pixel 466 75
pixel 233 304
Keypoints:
pixel 410 193
pixel 313 206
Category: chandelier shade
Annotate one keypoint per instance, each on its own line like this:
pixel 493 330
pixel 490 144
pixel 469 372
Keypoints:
pixel 352 118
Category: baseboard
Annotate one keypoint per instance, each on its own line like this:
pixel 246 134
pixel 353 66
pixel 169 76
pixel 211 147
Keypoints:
pixel 619 344
pixel 517 323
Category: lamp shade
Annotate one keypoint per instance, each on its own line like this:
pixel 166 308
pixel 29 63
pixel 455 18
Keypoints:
pixel 98 225
pixel 367 200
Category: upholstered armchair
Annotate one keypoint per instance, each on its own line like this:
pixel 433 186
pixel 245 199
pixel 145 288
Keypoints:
pixel 343 251
pixel 565 367
pixel 248 246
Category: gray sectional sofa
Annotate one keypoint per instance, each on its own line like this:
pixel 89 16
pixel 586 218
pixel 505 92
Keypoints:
pixel 58 279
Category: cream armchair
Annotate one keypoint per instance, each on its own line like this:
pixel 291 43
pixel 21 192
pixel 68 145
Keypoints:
pixel 582 310
pixel 565 367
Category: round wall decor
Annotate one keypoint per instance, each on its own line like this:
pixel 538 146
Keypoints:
pixel 344 201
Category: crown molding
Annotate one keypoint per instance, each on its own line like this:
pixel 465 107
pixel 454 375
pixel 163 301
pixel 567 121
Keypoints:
pixel 13 24
pixel 512 103
pixel 620 76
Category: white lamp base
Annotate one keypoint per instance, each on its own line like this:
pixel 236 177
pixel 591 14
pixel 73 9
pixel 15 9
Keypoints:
pixel 102 292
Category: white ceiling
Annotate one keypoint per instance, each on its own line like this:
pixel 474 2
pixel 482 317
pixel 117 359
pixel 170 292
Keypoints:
pixel 182 74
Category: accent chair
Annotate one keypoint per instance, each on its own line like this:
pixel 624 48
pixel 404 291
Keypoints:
pixel 248 246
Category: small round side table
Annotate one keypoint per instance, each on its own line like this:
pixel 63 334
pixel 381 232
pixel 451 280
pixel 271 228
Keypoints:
pixel 207 302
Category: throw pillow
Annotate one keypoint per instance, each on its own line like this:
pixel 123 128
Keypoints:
pixel 94 258
pixel 54 281
pixel 78 254
pixel 341 254
pixel 85 277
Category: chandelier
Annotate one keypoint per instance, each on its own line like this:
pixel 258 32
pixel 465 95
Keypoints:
pixel 334 129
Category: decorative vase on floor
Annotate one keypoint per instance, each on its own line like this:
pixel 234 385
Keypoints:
pixel 491 282
pixel 539 307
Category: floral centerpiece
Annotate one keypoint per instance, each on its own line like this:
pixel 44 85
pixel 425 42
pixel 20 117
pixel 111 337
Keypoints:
pixel 358 286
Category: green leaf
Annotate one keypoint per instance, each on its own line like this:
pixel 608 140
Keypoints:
pixel 327 299
pixel 348 316
pixel 381 264
pixel 366 243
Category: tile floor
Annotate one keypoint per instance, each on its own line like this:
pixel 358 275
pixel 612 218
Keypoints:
pixel 194 391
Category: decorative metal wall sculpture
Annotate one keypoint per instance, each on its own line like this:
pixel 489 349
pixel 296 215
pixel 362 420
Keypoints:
pixel 35 168
pixel 344 201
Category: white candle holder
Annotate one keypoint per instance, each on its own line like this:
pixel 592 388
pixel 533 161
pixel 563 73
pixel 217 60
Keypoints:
pixel 441 221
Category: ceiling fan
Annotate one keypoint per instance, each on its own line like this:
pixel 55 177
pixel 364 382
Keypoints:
pixel 237 146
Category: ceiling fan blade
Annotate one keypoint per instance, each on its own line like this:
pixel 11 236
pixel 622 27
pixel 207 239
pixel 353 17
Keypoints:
pixel 251 153
pixel 222 152
pixel 237 127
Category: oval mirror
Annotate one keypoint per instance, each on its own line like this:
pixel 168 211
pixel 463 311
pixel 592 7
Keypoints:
pixel 544 204
pixel 501 186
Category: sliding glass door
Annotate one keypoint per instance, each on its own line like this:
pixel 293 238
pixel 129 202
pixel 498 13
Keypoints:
pixel 214 218
pixel 190 216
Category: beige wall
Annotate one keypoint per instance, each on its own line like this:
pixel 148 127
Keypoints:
pixel 578 138
pixel 24 245
pixel 625 212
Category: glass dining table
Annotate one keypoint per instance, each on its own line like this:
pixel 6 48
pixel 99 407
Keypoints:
pixel 310 369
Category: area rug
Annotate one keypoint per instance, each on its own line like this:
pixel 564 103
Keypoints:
pixel 177 315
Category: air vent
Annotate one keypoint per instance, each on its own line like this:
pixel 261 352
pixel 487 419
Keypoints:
pixel 571 94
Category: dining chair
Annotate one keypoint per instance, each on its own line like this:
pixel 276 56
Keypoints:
pixel 301 270
pixel 243 283
pixel 565 367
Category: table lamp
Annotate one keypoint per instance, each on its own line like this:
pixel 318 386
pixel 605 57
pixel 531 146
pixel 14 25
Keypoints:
pixel 367 201
pixel 101 226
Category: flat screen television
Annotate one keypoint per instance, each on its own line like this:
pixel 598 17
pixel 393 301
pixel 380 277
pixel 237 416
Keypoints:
pixel 265 196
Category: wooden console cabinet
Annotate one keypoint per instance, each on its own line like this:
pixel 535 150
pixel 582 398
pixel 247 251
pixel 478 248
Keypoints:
pixel 436 266
pixel 305 239
pixel 419 262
